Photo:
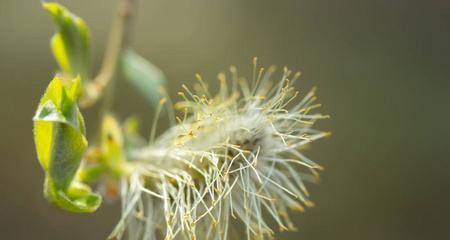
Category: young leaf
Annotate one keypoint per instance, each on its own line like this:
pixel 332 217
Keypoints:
pixel 70 44
pixel 144 76
pixel 59 135
pixel 78 198
pixel 112 146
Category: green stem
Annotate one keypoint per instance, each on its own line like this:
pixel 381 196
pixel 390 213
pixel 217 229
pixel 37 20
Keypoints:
pixel 103 83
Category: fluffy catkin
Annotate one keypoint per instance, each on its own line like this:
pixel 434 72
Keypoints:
pixel 233 157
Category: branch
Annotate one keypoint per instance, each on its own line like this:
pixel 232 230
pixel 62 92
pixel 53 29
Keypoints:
pixel 103 82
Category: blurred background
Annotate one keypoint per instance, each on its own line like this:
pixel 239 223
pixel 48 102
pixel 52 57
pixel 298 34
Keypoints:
pixel 382 69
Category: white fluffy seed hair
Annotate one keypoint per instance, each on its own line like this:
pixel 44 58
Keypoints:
pixel 234 158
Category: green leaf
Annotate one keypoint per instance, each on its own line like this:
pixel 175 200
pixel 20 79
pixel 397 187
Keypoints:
pixel 78 198
pixel 59 135
pixel 90 173
pixel 144 76
pixel 70 44
pixel 112 146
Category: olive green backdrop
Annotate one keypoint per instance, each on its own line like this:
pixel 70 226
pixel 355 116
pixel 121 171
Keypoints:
pixel 382 69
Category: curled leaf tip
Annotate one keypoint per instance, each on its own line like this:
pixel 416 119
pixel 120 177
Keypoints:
pixel 78 198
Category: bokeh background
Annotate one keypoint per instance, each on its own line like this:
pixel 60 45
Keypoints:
pixel 382 69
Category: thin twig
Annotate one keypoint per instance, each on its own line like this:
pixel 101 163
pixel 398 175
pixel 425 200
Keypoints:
pixel 103 83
